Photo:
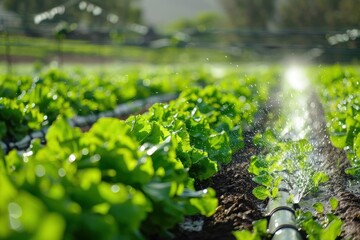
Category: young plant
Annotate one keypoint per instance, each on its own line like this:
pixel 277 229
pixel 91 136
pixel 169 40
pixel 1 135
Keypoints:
pixel 286 163
pixel 259 231
pixel 323 225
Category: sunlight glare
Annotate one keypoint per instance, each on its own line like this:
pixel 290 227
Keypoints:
pixel 295 76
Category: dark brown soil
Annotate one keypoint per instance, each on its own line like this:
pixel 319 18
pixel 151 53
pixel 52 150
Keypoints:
pixel 237 209
pixel 349 203
pixel 335 165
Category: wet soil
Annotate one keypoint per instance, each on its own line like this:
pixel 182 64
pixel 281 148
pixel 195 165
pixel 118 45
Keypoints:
pixel 237 208
pixel 335 164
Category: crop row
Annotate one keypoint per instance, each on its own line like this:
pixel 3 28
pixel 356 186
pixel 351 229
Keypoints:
pixel 85 122
pixel 127 179
pixel 339 89
pixel 29 102
pixel 284 165
pixel 286 172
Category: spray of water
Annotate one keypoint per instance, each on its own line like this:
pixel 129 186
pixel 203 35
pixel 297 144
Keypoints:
pixel 296 126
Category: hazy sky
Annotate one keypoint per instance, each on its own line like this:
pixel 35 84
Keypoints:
pixel 162 12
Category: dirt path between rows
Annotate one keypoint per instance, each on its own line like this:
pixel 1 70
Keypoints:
pixel 237 208
pixel 335 165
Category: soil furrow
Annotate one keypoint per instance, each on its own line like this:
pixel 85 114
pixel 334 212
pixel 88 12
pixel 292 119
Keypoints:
pixel 335 165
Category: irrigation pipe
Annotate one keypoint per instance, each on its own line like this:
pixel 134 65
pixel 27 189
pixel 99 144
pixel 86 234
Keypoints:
pixel 282 223
pixel 84 121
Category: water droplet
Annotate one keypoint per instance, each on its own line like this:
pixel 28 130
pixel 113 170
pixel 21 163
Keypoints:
pixel 28 154
pixel 115 188
pixel 61 172
pixel 151 150
pixel 15 210
pixel 95 158
pixel 85 151
pixel 40 170
pixel 72 158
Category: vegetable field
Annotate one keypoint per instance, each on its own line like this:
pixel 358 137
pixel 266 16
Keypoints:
pixel 181 152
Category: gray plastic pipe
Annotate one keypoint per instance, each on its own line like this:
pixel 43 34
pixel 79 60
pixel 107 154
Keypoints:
pixel 282 223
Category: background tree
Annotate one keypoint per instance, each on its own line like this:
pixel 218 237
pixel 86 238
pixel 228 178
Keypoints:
pixel 249 13
pixel 329 14
pixel 202 22
pixel 262 14
pixel 26 9
pixel 94 13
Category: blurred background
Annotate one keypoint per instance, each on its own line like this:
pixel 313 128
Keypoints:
pixel 167 31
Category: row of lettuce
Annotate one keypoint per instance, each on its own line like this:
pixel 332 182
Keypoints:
pixel 129 179
pixel 339 91
pixel 29 102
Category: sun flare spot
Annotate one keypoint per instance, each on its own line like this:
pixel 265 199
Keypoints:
pixel 295 77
